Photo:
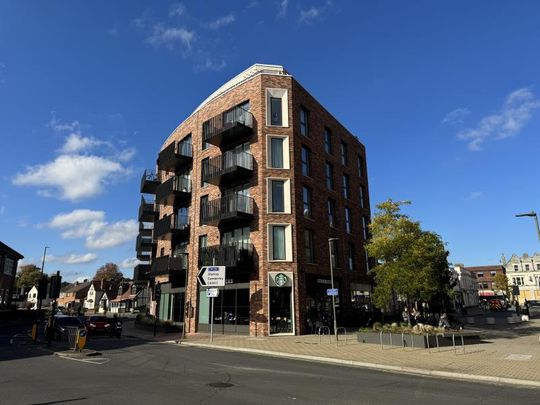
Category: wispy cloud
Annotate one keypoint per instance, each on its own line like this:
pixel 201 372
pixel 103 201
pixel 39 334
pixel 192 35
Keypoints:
pixel 222 21
pixel 94 228
pixel 456 116
pixel 208 63
pixel 516 111
pixel 283 5
pixel 475 195
pixel 73 258
pixel 171 37
pixel 78 172
pixel 176 9
pixel 129 263
pixel 310 15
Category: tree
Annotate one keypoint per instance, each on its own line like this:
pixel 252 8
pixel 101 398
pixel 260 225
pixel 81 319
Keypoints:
pixel 411 263
pixel 108 271
pixel 28 276
pixel 500 283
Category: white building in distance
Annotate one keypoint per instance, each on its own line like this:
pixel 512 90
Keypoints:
pixel 466 288
pixel 523 272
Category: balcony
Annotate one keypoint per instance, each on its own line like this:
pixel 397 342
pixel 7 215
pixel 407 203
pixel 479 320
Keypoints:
pixel 229 208
pixel 171 226
pixel 174 191
pixel 147 213
pixel 236 255
pixel 231 167
pixel 229 128
pixel 146 229
pixel 176 156
pixel 149 182
pixel 140 272
pixel 169 265
pixel 144 244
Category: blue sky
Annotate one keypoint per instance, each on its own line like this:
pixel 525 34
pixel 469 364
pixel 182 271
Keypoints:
pixel 444 94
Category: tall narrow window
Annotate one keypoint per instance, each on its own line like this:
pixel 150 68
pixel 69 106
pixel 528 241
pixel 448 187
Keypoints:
pixel 276 115
pixel 205 164
pixel 364 228
pixel 308 244
pixel 348 226
pixel 206 134
pixel 276 153
pixel 329 176
pixel 306 161
pixel 204 208
pixel 278 242
pixel 346 188
pixel 360 166
pixel 344 154
pixel 203 243
pixel 304 122
pixel 328 141
pixel 331 212
pixel 306 196
pixel 350 257
pixel 362 197
pixel 277 195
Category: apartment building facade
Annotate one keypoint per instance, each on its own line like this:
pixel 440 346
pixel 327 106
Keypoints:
pixel 485 278
pixel 257 179
pixel 524 276
pixel 9 259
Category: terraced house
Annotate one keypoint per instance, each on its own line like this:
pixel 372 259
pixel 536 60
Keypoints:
pixel 257 179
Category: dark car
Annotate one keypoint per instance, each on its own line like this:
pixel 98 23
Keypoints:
pixel 61 323
pixel 98 323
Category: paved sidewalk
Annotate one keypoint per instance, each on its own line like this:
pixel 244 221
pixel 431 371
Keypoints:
pixel 512 359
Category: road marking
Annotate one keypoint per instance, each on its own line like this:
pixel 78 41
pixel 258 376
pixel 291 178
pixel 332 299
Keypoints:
pixel 93 360
pixel 518 357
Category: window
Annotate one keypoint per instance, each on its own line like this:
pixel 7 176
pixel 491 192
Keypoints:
pixel 329 176
pixel 205 164
pixel 516 267
pixel 277 152
pixel 363 197
pixel 204 208
pixel 328 141
pixel 493 273
pixel 346 189
pixel 538 266
pixel 350 257
pixel 277 108
pixel 279 195
pixel 344 154
pixel 331 212
pixel 304 121
pixel 479 275
pixel 527 267
pixel 203 242
pixel 276 114
pixel 280 240
pixel 306 161
pixel 306 198
pixel 365 228
pixel 348 226
pixel 308 245
pixel 239 237
pixel 360 162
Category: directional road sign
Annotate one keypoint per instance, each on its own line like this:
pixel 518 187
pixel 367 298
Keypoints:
pixel 212 276
pixel 332 291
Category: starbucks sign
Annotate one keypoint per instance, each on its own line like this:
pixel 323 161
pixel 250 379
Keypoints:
pixel 281 279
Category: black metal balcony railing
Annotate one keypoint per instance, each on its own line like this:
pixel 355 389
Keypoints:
pixel 144 244
pixel 227 168
pixel 227 128
pixel 149 182
pixel 140 272
pixel 176 190
pixel 230 207
pixel 147 212
pixel 171 226
pixel 233 255
pixel 146 228
pixel 175 156
pixel 168 265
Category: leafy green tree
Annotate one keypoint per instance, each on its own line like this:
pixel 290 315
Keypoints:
pixel 109 271
pixel 28 276
pixel 500 283
pixel 411 263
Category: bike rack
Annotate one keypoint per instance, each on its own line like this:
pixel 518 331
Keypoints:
pixel 344 332
pixel 320 329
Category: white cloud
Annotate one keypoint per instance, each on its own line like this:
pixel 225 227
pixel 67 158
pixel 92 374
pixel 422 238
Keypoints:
pixel 170 36
pixel 63 126
pixel 129 263
pixel 176 9
pixel 222 21
pixel 91 225
pixel 212 64
pixel 456 116
pixel 73 258
pixel 75 143
pixel 282 8
pixel 72 177
pixel 475 195
pixel 310 15
pixel 516 111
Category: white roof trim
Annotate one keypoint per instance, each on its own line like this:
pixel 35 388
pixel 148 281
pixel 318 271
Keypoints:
pixel 249 73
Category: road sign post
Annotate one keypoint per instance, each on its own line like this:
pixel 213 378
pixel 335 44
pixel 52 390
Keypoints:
pixel 212 276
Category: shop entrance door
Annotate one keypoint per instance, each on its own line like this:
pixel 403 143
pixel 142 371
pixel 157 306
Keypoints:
pixel 281 303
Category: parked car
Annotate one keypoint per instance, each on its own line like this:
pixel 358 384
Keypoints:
pixel 61 322
pixel 98 323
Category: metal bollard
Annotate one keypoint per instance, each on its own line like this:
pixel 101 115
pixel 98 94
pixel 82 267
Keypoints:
pixel 427 340
pixel 454 342
pixel 390 338
pixel 380 338
pixel 437 341
pixel 463 343
pixel 403 340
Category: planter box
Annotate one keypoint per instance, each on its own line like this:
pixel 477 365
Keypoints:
pixel 411 340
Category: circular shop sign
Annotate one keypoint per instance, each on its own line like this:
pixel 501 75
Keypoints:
pixel 281 279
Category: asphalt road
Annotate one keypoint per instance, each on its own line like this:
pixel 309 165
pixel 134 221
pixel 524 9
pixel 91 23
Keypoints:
pixel 130 371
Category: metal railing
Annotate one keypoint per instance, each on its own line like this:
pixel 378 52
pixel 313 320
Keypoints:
pixel 226 163
pixel 232 255
pixel 228 206
pixel 171 223
pixel 165 264
pixel 225 121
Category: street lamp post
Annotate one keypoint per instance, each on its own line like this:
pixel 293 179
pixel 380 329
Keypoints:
pixel 330 240
pixel 532 214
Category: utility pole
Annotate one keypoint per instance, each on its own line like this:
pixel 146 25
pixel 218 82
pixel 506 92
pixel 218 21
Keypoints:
pixel 330 241
pixel 532 214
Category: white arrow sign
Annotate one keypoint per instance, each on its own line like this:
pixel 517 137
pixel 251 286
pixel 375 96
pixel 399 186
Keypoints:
pixel 212 276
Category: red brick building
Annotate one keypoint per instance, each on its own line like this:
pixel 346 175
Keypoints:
pixel 484 277
pixel 257 179
pixel 8 270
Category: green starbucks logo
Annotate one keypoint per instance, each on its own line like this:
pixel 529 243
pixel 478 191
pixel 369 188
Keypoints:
pixel 281 279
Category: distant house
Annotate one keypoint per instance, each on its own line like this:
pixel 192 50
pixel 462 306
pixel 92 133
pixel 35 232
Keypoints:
pixel 32 298
pixel 94 300
pixel 8 269
pixel 524 276
pixel 72 296
pixel 484 277
pixel 126 298
pixel 466 288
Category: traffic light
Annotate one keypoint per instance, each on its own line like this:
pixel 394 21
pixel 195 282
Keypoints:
pixel 54 288
pixel 42 288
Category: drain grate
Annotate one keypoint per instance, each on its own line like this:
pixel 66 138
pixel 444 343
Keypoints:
pixel 220 385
